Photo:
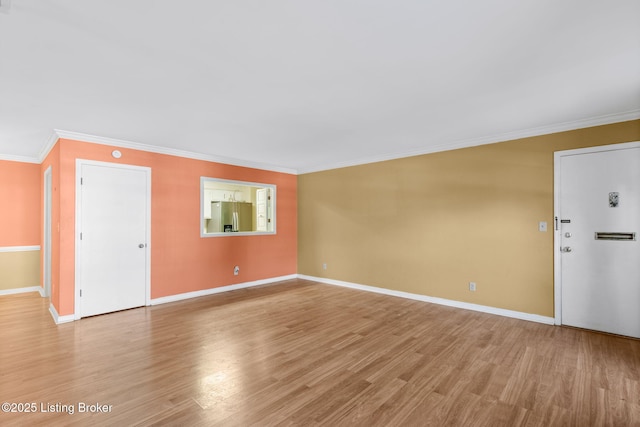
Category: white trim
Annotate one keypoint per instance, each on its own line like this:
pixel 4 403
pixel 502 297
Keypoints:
pixel 78 226
pixel 205 292
pixel 491 139
pixel 21 159
pixel 60 319
pixel 557 259
pixel 236 233
pixel 557 179
pixel 48 146
pixel 47 196
pixel 434 300
pixel 597 149
pixel 169 151
pixel 20 290
pixel 274 192
pixel 41 291
pixel 19 248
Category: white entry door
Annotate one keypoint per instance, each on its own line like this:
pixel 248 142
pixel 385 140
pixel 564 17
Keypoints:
pixel 597 238
pixel 113 230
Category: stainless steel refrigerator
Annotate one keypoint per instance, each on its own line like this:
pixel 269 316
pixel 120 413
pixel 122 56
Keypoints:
pixel 230 217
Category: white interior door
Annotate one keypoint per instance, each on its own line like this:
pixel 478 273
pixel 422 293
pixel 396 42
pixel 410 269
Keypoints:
pixel 113 230
pixel 598 252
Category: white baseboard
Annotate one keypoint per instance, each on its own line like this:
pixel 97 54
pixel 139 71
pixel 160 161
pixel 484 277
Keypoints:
pixel 179 297
pixel 20 290
pixel 52 310
pixel 60 319
pixel 205 292
pixel 434 300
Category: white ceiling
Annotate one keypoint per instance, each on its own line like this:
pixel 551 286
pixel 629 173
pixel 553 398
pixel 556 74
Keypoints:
pixel 309 85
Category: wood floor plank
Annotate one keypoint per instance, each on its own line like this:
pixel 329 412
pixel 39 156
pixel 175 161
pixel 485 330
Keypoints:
pixel 302 353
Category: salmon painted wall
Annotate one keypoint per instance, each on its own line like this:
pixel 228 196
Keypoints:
pixel 182 261
pixel 19 225
pixel 20 204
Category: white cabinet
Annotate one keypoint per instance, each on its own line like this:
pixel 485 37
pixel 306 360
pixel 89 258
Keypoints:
pixel 206 203
pixel 263 210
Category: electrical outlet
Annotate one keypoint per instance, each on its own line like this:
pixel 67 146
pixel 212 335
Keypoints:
pixel 236 270
pixel 472 286
pixel 542 226
pixel 324 266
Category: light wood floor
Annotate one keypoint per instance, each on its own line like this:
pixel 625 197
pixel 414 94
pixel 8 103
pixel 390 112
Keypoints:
pixel 300 353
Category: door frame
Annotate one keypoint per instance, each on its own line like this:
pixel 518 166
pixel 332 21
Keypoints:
pixel 48 193
pixel 78 227
pixel 557 233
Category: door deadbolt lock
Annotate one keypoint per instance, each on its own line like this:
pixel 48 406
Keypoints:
pixel 141 245
pixel 567 235
pixel 566 249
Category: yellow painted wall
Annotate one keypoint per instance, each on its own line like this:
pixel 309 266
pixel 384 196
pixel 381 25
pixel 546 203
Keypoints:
pixel 19 269
pixel 430 224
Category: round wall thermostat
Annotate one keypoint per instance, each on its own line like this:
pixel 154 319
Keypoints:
pixel 116 154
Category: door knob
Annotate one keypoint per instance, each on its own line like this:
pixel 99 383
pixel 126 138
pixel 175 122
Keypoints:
pixel 566 249
pixel 141 245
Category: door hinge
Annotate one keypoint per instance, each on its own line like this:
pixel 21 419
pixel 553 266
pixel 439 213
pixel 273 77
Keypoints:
pixel 81 236
pixel 80 292
pixel 81 180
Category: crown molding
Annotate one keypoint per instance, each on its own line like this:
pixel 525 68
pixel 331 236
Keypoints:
pixel 492 139
pixel 76 136
pixel 48 146
pixel 509 136
pixel 21 159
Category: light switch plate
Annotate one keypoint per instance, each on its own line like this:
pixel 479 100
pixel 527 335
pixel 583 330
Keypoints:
pixel 542 226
